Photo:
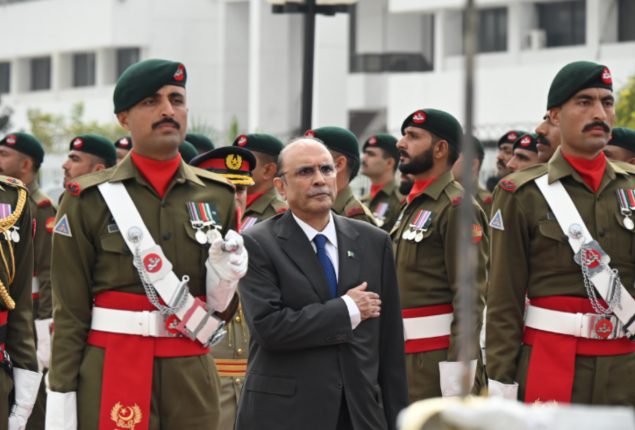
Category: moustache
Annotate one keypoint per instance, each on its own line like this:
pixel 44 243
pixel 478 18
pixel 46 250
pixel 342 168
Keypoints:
pixel 602 124
pixel 542 140
pixel 166 121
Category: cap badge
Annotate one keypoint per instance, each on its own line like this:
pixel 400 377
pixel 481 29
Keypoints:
pixel 11 140
pixel 419 117
pixel 152 263
pixel 606 76
pixel 124 142
pixel 512 136
pixel 179 75
pixel 309 133
pixel 372 141
pixel 242 140
pixel 525 141
pixel 233 161
pixel 78 143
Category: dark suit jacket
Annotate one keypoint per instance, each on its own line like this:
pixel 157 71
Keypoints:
pixel 303 353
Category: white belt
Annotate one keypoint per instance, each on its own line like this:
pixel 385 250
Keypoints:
pixel 35 285
pixel 588 326
pixel 143 323
pixel 425 327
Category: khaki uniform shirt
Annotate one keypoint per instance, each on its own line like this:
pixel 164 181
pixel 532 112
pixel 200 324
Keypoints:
pixel 264 207
pixel 385 206
pixel 44 217
pixel 427 273
pixel 346 204
pixel 531 257
pixel 484 199
pixel 92 257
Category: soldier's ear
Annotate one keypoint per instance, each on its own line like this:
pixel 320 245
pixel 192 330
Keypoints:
pixel 554 116
pixel 122 117
pixel 278 182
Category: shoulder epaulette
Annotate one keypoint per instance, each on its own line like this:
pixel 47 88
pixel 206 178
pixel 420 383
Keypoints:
pixel 77 186
pixel 516 180
pixel 215 177
pixel 455 193
pixel 8 180
pixel 278 205
pixel 354 211
pixel 41 199
pixel 626 167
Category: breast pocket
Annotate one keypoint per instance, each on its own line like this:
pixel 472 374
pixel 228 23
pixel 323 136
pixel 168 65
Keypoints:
pixel 551 246
pixel 192 254
pixel 114 265
pixel 621 240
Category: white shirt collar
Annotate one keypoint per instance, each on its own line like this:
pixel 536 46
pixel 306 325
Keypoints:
pixel 328 231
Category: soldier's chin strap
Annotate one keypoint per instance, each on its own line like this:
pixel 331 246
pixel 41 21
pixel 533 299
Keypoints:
pixel 588 253
pixel 196 321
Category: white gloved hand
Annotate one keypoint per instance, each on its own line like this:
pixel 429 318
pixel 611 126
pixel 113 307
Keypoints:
pixel 61 411
pixel 26 384
pixel 451 373
pixel 43 333
pixel 228 257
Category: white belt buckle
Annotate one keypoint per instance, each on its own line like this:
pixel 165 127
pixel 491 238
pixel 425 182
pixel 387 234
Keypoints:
pixel 600 327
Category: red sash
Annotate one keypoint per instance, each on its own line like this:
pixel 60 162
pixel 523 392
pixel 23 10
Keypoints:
pixel 552 363
pixel 428 343
pixel 128 360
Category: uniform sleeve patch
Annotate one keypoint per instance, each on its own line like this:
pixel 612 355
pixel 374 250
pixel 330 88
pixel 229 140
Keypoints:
pixel 456 201
pixel 44 203
pixel 281 210
pixel 62 227
pixel 477 233
pixel 73 188
pixel 354 211
pixel 497 221
pixel 50 224
pixel 507 185
pixel 487 200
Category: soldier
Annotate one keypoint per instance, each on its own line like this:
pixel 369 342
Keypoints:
pixel 136 250
pixel 506 151
pixel 123 145
pixel 187 151
pixel 571 345
pixel 345 150
pixel 426 244
pixel 21 156
pixel 548 138
pixel 88 153
pixel 525 152
pixel 483 197
pixel 262 198
pixel 20 380
pixel 201 142
pixel 379 163
pixel 621 147
pixel 237 165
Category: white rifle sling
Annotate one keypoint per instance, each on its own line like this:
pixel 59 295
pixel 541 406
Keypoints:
pixel 195 320
pixel 602 277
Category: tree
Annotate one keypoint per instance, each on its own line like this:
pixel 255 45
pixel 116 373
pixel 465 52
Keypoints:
pixel 625 106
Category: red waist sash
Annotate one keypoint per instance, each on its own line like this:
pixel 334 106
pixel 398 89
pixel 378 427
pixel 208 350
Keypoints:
pixel 128 361
pixel 430 343
pixel 552 363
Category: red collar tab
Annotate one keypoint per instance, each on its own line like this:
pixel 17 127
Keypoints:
pixel 158 172
pixel 591 171
pixel 252 198
pixel 374 189
pixel 419 187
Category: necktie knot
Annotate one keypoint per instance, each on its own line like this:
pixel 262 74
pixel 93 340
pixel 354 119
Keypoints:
pixel 320 241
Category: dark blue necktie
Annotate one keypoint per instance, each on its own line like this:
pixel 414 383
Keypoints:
pixel 325 261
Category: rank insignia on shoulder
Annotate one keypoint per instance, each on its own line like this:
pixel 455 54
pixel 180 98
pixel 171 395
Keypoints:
pixel 44 203
pixel 281 210
pixel 73 188
pixel 497 221
pixel 62 227
pixel 456 201
pixel 354 211
pixel 487 200
pixel 507 185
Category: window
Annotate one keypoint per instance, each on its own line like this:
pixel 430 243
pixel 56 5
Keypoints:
pixel 5 77
pixel 84 69
pixel 126 57
pixel 625 27
pixel 40 73
pixel 492 30
pixel 564 22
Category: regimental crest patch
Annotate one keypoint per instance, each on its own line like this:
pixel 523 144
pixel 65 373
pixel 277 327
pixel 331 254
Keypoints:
pixel 507 185
pixel 50 224
pixel 497 221
pixel 126 417
pixel 62 227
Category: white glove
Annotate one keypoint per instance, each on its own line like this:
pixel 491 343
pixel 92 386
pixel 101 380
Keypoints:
pixel 228 257
pixel 451 373
pixel 506 391
pixel 27 385
pixel 43 333
pixel 61 411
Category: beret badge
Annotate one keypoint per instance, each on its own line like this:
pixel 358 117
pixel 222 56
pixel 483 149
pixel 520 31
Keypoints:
pixel 419 117
pixel 11 140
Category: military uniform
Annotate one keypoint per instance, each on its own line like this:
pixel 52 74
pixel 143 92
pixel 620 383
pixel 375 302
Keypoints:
pixel 91 260
pixel 385 206
pixel 16 319
pixel 484 199
pixel 264 207
pixel 427 270
pixel 527 238
pixel 346 204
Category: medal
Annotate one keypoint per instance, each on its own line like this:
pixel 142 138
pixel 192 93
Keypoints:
pixel 406 234
pixel 419 236
pixel 202 215
pixel 200 236
pixel 626 201
pixel 15 236
pixel 422 222
pixel 628 223
pixel 213 235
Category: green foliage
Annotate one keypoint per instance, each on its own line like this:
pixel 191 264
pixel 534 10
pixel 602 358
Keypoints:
pixel 56 130
pixel 625 106
pixel 234 130
pixel 196 125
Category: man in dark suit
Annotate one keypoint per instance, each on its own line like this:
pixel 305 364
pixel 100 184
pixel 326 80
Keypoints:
pixel 322 304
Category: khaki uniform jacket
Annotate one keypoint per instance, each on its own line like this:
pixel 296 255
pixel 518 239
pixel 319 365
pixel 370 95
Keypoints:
pixel 388 194
pixel 346 204
pixel 531 256
pixel 484 199
pixel 93 257
pixel 44 217
pixel 19 342
pixel 265 206
pixel 427 273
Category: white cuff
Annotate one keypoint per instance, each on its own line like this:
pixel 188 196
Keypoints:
pixel 506 391
pixel 451 373
pixel 61 411
pixel 353 311
pixel 43 333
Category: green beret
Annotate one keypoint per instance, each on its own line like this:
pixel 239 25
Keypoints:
pixel 233 162
pixel 338 139
pixel 510 137
pixel 123 143
pixel 95 145
pixel 527 142
pixel 144 79
pixel 201 142
pixel 575 77
pixel 26 144
pixel 188 151
pixel 264 143
pixel 624 138
pixel 384 141
pixel 438 122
